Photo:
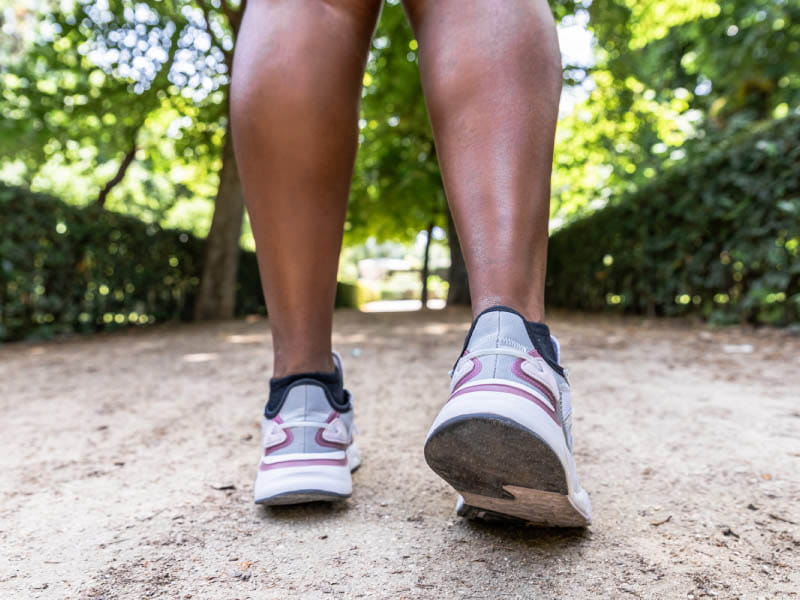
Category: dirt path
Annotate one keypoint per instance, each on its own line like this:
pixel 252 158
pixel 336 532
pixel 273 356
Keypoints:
pixel 127 464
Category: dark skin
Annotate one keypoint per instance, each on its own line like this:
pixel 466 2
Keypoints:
pixel 491 73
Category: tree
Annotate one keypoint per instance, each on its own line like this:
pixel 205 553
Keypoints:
pixel 97 91
pixel 673 79
pixel 397 189
pixel 101 75
pixel 121 87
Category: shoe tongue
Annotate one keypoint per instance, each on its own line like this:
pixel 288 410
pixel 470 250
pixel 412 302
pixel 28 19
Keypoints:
pixel 499 329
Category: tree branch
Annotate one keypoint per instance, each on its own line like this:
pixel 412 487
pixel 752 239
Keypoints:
pixel 120 174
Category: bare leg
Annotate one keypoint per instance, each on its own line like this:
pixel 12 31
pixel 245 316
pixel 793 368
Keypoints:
pixel 492 78
pixel 294 103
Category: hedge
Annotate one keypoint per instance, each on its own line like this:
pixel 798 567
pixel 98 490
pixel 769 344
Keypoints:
pixel 717 237
pixel 65 268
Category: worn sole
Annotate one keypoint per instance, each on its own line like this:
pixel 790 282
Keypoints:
pixel 502 469
pixel 301 497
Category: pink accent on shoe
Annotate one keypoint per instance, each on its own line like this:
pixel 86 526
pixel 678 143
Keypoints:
pixel 330 462
pixel 289 438
pixel 516 368
pixel 508 389
pixel 322 441
pixel 471 374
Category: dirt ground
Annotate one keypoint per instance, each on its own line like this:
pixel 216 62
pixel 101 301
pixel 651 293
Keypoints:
pixel 128 459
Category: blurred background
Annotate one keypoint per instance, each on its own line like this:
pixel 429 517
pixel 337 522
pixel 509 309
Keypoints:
pixel 676 188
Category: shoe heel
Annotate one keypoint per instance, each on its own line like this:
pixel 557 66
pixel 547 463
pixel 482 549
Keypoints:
pixel 502 469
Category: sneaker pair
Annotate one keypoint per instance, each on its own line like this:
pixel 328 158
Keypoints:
pixel 503 440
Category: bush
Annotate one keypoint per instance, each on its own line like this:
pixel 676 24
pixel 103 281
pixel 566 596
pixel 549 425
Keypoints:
pixel 718 236
pixel 64 269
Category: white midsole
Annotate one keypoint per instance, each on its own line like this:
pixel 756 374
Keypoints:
pixel 530 416
pixel 279 458
pixel 334 479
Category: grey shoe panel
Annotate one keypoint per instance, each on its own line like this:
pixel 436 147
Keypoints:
pixel 506 327
pixel 338 397
pixel 308 402
pixel 497 329
pixel 500 328
pixel 503 328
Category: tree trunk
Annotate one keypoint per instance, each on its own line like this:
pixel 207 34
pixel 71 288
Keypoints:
pixel 426 270
pixel 458 294
pixel 216 296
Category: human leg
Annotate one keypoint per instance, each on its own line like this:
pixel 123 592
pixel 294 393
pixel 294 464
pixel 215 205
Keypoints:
pixel 295 91
pixel 492 78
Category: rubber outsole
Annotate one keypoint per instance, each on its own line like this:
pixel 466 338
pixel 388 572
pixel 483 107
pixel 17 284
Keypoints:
pixel 502 469
pixel 301 497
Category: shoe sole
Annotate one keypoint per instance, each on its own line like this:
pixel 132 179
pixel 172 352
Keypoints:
pixel 299 485
pixel 302 497
pixel 502 469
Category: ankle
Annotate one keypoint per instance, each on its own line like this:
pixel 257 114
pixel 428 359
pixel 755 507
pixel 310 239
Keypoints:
pixel 289 365
pixel 532 311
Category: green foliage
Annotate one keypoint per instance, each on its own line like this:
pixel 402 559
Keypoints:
pixel 733 57
pixel 670 74
pixel 347 295
pixel 717 236
pixel 65 269
pixel 397 189
pixel 95 80
pixel 84 83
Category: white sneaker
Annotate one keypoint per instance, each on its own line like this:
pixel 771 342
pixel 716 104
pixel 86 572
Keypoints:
pixel 307 437
pixel 503 440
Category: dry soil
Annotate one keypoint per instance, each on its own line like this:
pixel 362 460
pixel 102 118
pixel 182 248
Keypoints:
pixel 127 464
